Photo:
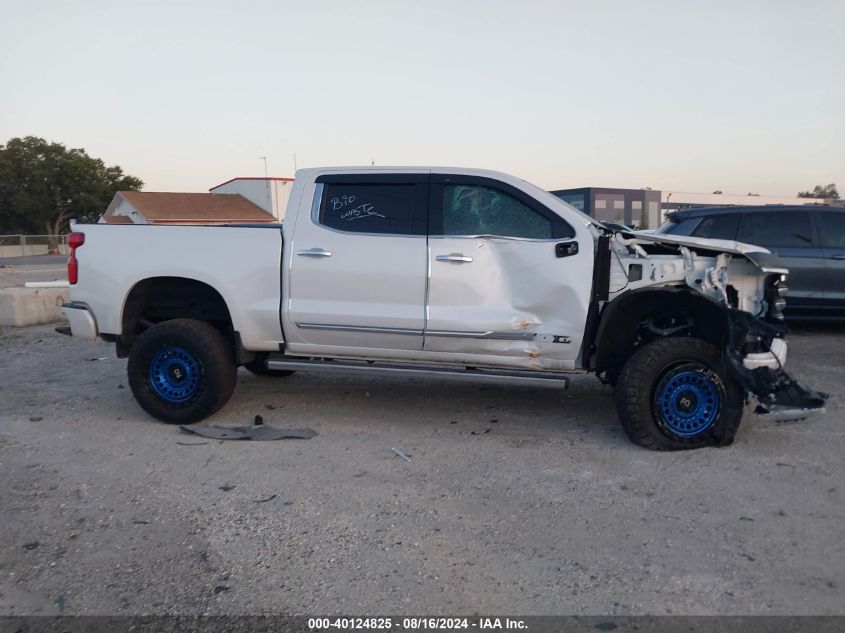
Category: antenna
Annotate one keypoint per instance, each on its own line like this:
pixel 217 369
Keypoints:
pixel 264 158
pixel 294 162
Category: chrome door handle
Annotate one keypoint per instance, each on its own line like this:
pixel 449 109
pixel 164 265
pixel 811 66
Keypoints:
pixel 454 257
pixel 314 252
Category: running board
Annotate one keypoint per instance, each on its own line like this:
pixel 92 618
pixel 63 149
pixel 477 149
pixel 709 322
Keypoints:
pixel 527 378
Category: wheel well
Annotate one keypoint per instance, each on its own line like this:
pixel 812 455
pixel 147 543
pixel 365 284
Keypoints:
pixel 640 316
pixel 160 299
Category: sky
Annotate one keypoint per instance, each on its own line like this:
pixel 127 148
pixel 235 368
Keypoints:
pixel 687 96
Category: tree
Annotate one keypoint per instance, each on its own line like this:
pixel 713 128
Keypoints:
pixel 43 185
pixel 819 191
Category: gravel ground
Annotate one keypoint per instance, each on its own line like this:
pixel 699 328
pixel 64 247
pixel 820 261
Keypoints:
pixel 517 500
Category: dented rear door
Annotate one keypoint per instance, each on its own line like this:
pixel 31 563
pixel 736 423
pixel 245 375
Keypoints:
pixel 508 281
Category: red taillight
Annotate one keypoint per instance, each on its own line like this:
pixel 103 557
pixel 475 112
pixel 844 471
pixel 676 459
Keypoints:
pixel 74 241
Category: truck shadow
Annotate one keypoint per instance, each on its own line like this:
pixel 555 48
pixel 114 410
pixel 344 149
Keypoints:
pixel 420 405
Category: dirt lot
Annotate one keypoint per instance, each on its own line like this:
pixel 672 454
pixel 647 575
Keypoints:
pixel 517 500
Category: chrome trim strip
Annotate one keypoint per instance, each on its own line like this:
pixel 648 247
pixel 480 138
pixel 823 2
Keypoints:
pixel 489 335
pixel 358 328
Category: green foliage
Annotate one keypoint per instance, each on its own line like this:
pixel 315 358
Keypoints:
pixel 43 185
pixel 820 191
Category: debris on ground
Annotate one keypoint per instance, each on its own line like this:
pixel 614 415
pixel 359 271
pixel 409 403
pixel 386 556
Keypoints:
pixel 226 487
pixel 259 432
pixel 35 418
pixel 270 498
pixel 401 454
pixel 192 443
pixel 31 545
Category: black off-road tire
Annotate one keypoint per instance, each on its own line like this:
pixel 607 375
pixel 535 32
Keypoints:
pixel 258 368
pixel 644 373
pixel 205 356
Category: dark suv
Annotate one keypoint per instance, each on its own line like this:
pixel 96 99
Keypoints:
pixel 809 239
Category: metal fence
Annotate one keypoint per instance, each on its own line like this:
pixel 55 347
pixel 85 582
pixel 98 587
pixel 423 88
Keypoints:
pixel 28 250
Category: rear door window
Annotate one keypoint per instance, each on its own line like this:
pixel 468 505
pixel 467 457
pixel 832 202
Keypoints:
pixel 394 208
pixel 790 229
pixel 832 229
pixel 721 226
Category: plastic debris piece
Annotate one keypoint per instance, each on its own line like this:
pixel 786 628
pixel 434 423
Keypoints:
pixel 260 432
pixel 401 454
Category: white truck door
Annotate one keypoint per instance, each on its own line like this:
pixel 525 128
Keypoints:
pixel 357 274
pixel 509 283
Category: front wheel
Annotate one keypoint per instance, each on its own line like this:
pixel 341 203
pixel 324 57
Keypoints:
pixel 181 371
pixel 674 393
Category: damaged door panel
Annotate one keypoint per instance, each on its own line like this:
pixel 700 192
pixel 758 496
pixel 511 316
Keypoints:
pixel 500 268
pixel 506 301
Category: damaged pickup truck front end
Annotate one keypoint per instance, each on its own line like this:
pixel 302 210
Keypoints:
pixel 745 291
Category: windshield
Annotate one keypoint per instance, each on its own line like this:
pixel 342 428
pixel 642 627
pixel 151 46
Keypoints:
pixel 667 227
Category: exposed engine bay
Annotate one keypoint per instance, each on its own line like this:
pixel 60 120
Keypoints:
pixel 750 285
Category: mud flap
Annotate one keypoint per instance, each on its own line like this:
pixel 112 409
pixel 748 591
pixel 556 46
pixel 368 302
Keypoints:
pixel 779 395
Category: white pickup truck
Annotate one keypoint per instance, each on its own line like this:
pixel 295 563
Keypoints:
pixel 460 272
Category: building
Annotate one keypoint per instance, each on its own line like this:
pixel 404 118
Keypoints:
pixel 149 207
pixel 639 208
pixel 647 208
pixel 271 194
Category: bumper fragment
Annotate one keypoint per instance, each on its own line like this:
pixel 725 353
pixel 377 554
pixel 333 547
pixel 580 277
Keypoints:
pixel 762 374
pixel 82 322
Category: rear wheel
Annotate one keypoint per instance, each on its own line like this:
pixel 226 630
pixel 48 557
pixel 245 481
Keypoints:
pixel 674 393
pixel 181 371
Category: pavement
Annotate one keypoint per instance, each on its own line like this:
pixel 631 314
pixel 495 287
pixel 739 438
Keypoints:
pixel 516 500
pixel 35 260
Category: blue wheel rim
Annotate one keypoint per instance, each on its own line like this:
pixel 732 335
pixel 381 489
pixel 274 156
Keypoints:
pixel 174 375
pixel 687 401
